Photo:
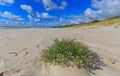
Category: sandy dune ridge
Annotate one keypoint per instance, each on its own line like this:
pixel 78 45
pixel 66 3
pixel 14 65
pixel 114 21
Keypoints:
pixel 20 50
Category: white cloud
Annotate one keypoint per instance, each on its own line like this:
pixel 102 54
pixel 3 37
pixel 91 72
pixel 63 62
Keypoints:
pixel 6 2
pixel 63 23
pixel 44 15
pixel 14 23
pixel 10 16
pixel 105 9
pixel 102 9
pixel 51 5
pixel 39 19
pixel 69 22
pixel 3 22
pixel 92 14
pixel 27 8
pixel 30 17
pixel 33 19
pixel 63 5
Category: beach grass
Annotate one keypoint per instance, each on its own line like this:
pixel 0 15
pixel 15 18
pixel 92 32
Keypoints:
pixel 106 22
pixel 68 52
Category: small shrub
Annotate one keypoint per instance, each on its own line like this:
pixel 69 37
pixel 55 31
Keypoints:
pixel 70 53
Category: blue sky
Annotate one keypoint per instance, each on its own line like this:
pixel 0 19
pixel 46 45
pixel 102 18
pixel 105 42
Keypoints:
pixel 44 13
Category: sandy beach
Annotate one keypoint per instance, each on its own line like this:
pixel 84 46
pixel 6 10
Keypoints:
pixel 20 50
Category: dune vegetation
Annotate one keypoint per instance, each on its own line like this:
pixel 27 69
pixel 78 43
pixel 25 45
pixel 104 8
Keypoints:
pixel 68 52
pixel 106 22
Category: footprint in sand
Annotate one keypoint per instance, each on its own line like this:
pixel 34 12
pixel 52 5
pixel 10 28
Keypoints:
pixel 13 53
pixel 23 52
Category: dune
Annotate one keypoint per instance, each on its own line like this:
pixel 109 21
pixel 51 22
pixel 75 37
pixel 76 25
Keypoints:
pixel 20 50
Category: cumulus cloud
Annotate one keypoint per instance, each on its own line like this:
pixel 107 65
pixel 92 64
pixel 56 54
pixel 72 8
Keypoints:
pixel 63 5
pixel 101 9
pixel 44 15
pixel 39 19
pixel 6 2
pixel 105 9
pixel 51 5
pixel 92 14
pixel 63 23
pixel 33 19
pixel 36 18
pixel 30 11
pixel 69 22
pixel 10 16
pixel 10 19
pixel 27 8
pixel 3 22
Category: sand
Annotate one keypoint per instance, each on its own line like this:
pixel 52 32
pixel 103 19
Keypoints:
pixel 20 50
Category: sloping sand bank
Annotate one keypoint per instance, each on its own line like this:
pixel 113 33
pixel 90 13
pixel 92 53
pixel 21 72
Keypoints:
pixel 20 50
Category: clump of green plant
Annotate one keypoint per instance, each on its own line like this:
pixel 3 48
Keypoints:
pixel 68 52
